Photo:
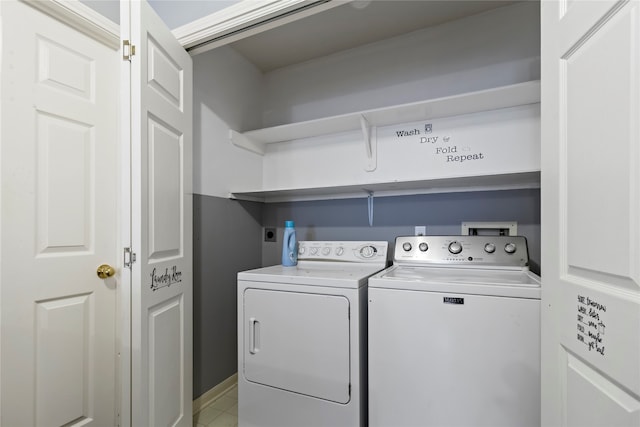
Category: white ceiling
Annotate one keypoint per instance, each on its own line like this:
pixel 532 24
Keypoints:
pixel 351 25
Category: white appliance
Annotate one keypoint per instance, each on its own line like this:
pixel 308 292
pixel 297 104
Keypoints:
pixel 454 334
pixel 302 337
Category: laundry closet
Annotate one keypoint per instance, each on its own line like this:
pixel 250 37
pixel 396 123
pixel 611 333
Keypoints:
pixel 435 126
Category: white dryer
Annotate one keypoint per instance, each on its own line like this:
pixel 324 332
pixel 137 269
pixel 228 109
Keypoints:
pixel 454 334
pixel 302 337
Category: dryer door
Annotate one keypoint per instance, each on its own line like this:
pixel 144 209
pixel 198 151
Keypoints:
pixel 298 342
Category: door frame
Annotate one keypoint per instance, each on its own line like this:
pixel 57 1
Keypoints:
pixel 244 19
pixel 91 23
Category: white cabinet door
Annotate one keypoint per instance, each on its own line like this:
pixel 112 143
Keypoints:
pixel 590 213
pixel 60 169
pixel 297 342
pixel 160 121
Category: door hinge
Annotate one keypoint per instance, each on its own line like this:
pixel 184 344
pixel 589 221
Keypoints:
pixel 128 50
pixel 129 257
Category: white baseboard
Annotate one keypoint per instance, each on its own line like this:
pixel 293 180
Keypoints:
pixel 210 396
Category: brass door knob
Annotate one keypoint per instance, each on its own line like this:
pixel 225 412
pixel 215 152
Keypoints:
pixel 105 271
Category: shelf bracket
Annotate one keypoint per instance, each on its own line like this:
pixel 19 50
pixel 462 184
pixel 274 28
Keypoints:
pixel 239 140
pixel 370 144
pixel 370 207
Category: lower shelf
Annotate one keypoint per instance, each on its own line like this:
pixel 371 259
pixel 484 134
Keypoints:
pixel 397 188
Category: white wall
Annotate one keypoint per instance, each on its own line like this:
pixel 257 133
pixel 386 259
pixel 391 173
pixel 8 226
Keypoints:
pixel 493 142
pixel 108 8
pixel 227 95
pixel 174 13
pixel 495 48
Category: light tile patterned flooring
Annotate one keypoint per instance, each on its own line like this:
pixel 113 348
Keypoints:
pixel 222 412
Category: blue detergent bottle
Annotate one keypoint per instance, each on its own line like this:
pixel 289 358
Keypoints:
pixel 289 245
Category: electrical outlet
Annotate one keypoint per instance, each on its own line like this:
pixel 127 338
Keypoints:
pixel 421 230
pixel 269 234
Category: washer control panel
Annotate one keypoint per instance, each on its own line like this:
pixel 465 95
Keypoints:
pixel 346 251
pixel 508 251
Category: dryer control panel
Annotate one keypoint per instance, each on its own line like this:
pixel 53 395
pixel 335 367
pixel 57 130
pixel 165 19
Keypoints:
pixel 346 251
pixel 506 251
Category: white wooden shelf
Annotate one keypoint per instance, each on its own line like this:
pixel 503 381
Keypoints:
pixel 445 185
pixel 472 102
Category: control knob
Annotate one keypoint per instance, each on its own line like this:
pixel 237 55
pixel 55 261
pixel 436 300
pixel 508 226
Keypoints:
pixel 326 251
pixel 423 247
pixel 489 248
pixel 339 250
pixel 510 248
pixel 455 247
pixel 406 246
pixel 368 251
pixel 314 251
pixel 301 250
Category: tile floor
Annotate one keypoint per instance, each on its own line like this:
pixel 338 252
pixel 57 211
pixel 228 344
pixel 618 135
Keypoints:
pixel 222 412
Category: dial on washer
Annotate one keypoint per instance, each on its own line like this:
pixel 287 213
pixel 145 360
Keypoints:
pixel 455 247
pixel 510 248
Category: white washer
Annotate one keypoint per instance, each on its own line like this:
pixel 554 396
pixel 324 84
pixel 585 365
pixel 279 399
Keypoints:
pixel 302 337
pixel 454 334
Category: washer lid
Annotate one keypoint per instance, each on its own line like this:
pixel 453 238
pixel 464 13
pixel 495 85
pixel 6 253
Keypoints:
pixel 479 281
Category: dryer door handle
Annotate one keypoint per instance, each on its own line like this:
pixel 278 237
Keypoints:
pixel 254 335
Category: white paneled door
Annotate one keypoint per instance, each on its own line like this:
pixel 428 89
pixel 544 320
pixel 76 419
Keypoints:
pixel 590 213
pixel 159 127
pixel 59 222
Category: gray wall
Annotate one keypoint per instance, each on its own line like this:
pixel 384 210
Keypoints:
pixel 226 239
pixel 395 216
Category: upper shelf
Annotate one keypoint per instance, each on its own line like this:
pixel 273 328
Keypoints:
pixel 472 102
